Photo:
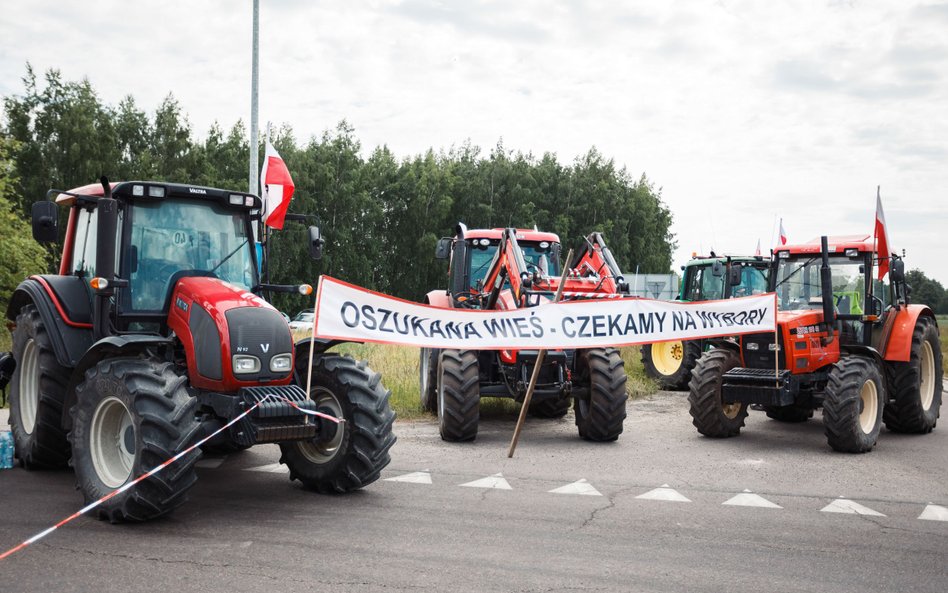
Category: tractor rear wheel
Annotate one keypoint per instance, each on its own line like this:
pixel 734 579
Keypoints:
pixel 916 384
pixel 852 405
pixel 37 393
pixel 428 378
pixel 789 414
pixel 711 415
pixel 358 450
pixel 671 363
pixel 549 408
pixel 132 415
pixel 459 395
pixel 602 371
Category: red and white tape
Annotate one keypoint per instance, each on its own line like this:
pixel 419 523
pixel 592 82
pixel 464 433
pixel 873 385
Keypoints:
pixel 157 469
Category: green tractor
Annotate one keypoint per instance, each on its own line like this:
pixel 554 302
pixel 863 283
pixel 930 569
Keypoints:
pixel 704 278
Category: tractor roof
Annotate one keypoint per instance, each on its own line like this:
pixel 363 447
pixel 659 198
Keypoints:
pixel 707 260
pixel 837 244
pixel 522 235
pixel 158 190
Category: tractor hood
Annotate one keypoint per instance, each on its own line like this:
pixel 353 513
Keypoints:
pixel 232 338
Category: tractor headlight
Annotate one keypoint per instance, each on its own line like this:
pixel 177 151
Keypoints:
pixel 753 346
pixel 244 364
pixel 281 363
pixel 773 347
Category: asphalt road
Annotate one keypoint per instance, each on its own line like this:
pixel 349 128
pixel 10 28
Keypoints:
pixel 247 528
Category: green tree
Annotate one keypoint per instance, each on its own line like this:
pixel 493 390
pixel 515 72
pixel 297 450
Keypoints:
pixel 22 256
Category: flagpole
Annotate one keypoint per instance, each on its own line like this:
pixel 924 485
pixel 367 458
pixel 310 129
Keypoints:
pixel 254 181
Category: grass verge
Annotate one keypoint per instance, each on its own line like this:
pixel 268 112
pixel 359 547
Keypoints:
pixel 399 368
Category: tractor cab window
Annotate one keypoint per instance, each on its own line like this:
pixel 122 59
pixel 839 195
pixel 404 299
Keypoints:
pixel 703 285
pixel 540 258
pixel 481 257
pixel 83 252
pixel 753 281
pixel 798 284
pixel 171 236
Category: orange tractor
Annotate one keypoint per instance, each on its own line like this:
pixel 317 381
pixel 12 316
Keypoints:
pixel 504 269
pixel 846 342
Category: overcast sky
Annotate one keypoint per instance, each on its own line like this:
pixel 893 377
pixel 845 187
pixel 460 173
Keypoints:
pixel 742 112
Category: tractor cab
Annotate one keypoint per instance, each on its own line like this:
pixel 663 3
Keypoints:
pixel 471 253
pixel 721 277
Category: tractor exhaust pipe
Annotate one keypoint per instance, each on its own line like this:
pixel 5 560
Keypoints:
pixel 826 290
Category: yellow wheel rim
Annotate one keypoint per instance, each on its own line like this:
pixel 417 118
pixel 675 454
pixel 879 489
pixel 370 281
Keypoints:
pixel 667 357
pixel 926 387
pixel 870 406
pixel 731 410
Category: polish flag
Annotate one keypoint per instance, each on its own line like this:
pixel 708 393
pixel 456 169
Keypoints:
pixel 783 234
pixel 757 253
pixel 276 188
pixel 881 238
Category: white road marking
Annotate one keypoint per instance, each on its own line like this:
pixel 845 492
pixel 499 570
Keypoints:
pixel 664 493
pixel 749 499
pixel 210 462
pixel 581 487
pixel 495 481
pixel 422 477
pixel 844 505
pixel 934 512
pixel 273 468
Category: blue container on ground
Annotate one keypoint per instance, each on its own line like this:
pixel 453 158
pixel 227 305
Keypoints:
pixel 6 449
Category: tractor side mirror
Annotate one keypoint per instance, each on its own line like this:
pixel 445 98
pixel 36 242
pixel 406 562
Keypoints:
pixel 45 222
pixel 734 274
pixel 897 270
pixel 443 248
pixel 717 269
pixel 316 243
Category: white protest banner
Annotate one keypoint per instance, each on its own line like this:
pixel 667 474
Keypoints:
pixel 348 312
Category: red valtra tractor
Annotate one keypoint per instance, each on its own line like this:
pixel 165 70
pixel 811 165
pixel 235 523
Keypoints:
pixel 846 342
pixel 153 335
pixel 504 269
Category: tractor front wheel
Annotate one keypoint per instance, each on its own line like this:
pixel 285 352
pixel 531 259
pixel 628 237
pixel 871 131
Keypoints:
pixel 916 384
pixel 852 405
pixel 459 395
pixel 711 415
pixel 354 455
pixel 37 393
pixel 602 371
pixel 131 416
pixel 670 363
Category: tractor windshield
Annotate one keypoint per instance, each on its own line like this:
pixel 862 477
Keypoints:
pixel 170 236
pixel 753 281
pixel 798 283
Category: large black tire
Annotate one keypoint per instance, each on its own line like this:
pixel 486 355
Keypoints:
pixel 359 450
pixel 132 415
pixel 916 385
pixel 670 363
pixel 549 408
pixel 37 393
pixel 709 413
pixel 852 405
pixel 789 414
pixel 428 378
pixel 459 397
pixel 601 416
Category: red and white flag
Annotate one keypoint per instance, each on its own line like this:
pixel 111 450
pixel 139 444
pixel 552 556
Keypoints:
pixel 757 253
pixel 276 188
pixel 881 238
pixel 783 234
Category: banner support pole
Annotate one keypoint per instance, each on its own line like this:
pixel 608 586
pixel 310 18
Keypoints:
pixel 536 367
